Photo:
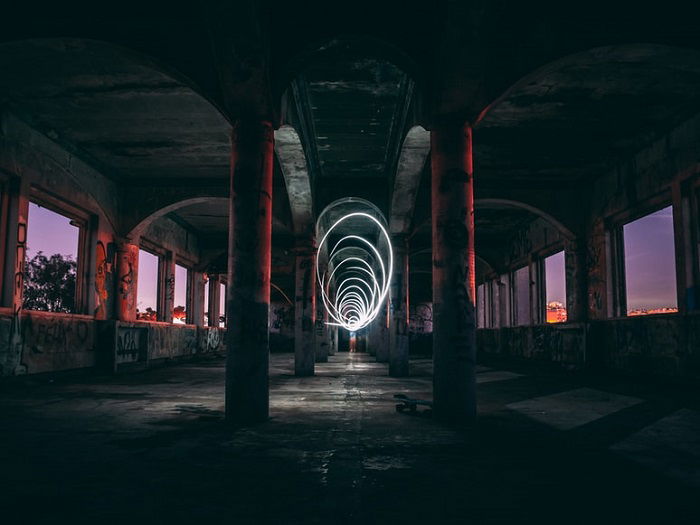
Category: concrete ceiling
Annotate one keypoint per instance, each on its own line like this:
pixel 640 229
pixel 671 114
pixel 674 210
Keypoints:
pixel 351 113
pixel 117 109
pixel 565 121
pixel 569 121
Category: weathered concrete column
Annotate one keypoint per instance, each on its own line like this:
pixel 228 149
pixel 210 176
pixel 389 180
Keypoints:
pixel 576 285
pixel 454 287
pixel 214 300
pixel 334 340
pixel 382 321
pixel 198 298
pixel 127 279
pixel 398 330
pixel 169 296
pixel 249 265
pixel 304 309
pixel 373 338
pixel 13 290
pixel 15 256
pixel 322 332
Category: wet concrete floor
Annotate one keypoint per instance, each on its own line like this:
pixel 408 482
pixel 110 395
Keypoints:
pixel 152 447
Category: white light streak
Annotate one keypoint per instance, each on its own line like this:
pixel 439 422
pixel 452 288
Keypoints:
pixel 354 294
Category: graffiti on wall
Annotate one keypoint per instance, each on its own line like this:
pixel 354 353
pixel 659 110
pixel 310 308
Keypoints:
pixel 16 346
pixel 282 318
pixel 127 265
pixel 131 345
pixel 421 319
pixel 213 340
pixel 595 263
pixel 40 343
pixel 104 263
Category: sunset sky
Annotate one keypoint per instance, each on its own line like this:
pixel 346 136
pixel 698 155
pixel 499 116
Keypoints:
pixel 555 277
pixel 648 243
pixel 650 264
pixel 50 233
pixel 147 289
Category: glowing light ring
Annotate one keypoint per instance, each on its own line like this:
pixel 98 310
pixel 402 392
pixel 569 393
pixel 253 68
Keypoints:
pixel 358 291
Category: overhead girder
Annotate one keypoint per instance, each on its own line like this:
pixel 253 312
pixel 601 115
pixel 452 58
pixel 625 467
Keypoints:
pixel 292 160
pixel 414 153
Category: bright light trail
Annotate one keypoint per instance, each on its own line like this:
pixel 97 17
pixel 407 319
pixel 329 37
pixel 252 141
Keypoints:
pixel 354 295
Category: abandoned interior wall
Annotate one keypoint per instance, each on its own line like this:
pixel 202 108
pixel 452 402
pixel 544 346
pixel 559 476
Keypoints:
pixel 662 345
pixel 34 166
pixel 654 346
pixel 142 344
pixel 281 327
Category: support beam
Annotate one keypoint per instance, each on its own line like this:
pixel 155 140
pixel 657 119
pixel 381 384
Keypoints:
pixel 304 309
pixel 248 293
pixel 214 300
pixel 127 279
pixel 13 290
pixel 334 341
pixel 322 333
pixel 414 153
pixel 398 338
pixel 454 322
pixel 292 160
pixel 373 338
pixel 197 299
pixel 169 295
pixel 382 321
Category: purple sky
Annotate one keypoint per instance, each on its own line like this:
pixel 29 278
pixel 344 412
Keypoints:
pixel 147 285
pixel 648 243
pixel 555 278
pixel 51 233
pixel 180 286
pixel 650 264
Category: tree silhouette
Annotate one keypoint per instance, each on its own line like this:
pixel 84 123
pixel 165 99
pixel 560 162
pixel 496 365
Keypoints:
pixel 148 315
pixel 49 283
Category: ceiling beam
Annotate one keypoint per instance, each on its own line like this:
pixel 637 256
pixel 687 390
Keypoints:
pixel 292 160
pixel 414 153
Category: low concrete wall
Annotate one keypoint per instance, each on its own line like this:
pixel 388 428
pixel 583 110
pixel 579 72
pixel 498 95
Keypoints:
pixel 37 342
pixel 125 346
pixel 40 342
pixel 666 345
pixel 565 344
pixel 661 346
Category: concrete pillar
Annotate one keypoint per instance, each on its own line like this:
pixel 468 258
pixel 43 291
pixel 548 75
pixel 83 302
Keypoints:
pixel 454 286
pixel 576 285
pixel 197 301
pixel 373 338
pixel 214 300
pixel 322 332
pixel 249 264
pixel 686 288
pixel 398 330
pixel 15 256
pixel 127 279
pixel 382 321
pixel 169 295
pixel 334 341
pixel 13 289
pixel 304 309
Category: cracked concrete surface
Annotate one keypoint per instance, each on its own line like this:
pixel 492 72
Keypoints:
pixel 152 447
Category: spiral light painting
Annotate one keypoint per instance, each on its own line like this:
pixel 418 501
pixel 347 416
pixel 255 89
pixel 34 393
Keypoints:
pixel 354 271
